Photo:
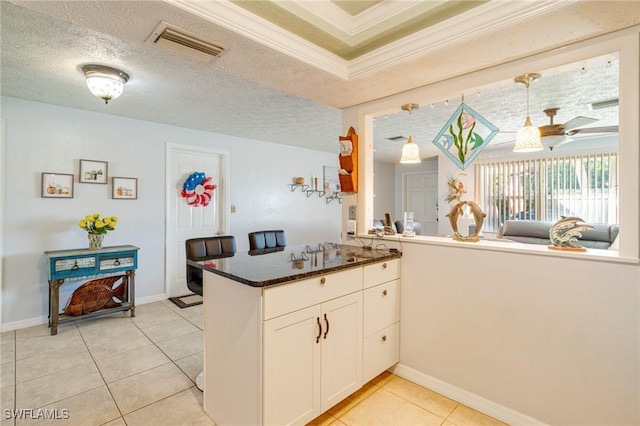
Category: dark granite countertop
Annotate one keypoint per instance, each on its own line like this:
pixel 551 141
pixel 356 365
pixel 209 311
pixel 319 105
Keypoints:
pixel 278 266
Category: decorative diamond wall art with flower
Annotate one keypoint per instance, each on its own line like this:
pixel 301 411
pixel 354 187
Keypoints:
pixel 465 135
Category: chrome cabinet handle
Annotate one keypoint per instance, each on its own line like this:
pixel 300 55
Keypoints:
pixel 327 322
pixel 319 330
pixel 323 280
pixel 384 292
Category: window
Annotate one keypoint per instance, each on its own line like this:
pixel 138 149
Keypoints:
pixel 545 189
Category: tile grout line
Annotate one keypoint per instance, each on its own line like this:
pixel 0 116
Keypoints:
pixel 170 361
pixel 101 376
pixel 37 378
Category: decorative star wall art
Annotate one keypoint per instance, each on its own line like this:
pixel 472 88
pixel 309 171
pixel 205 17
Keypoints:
pixel 465 135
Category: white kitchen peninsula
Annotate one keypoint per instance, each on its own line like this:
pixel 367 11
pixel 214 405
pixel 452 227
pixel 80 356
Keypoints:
pixel 290 333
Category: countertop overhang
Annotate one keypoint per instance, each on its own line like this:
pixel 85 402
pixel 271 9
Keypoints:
pixel 278 266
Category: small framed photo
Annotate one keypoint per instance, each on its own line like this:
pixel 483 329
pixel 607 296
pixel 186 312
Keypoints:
pixel 57 185
pixel 124 188
pixel 93 171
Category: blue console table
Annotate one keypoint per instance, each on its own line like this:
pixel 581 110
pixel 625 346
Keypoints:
pixel 85 264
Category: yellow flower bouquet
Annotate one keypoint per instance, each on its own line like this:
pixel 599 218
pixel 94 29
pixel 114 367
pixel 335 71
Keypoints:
pixel 97 227
pixel 94 224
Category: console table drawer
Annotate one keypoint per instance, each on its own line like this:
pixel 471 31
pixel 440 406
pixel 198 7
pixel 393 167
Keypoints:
pixel 381 351
pixel 381 306
pixel 82 263
pixel 287 298
pixel 382 272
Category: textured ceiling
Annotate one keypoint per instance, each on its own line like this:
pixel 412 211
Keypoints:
pixel 571 89
pixel 273 85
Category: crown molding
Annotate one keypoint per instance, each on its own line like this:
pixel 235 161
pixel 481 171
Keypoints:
pixel 473 23
pixel 351 26
pixel 483 19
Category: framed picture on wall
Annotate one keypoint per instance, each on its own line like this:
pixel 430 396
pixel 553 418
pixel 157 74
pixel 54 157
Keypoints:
pixel 93 171
pixel 124 188
pixel 57 185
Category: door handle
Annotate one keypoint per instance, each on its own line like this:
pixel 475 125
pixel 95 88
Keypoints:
pixel 319 330
pixel 327 330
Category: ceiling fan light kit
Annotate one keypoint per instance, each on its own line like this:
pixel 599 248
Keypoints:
pixel 528 137
pixel 553 141
pixel 410 150
pixel 105 82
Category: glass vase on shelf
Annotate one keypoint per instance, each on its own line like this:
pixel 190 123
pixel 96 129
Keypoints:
pixel 95 241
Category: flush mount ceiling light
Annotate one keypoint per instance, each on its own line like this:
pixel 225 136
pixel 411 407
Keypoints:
pixel 410 151
pixel 528 137
pixel 105 82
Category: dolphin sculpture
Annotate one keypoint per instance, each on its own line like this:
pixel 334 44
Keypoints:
pixel 566 231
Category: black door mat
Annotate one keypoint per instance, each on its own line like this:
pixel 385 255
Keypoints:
pixel 187 301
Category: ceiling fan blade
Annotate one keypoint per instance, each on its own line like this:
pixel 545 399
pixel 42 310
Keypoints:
pixel 577 122
pixel 603 129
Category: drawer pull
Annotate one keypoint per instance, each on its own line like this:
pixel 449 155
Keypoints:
pixel 319 330
pixel 323 280
pixel 384 338
pixel 75 266
pixel 117 262
pixel 384 292
pixel 384 265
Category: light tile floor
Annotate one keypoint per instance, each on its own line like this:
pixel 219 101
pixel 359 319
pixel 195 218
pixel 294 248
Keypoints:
pixel 116 370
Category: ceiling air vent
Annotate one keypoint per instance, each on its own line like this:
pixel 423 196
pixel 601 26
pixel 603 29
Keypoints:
pixel 179 41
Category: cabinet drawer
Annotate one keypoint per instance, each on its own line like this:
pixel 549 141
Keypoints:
pixel 382 272
pixel 381 306
pixel 381 351
pixel 300 294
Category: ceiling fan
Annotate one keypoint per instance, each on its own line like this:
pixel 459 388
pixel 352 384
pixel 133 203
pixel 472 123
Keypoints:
pixel 553 135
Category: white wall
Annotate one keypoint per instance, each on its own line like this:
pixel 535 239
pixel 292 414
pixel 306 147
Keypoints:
pixel 45 138
pixel 553 338
pixel 385 185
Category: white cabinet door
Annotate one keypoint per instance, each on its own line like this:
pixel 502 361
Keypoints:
pixel 341 348
pixel 312 360
pixel 292 367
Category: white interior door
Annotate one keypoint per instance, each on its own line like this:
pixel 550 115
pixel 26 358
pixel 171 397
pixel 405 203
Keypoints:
pixel 185 221
pixel 421 198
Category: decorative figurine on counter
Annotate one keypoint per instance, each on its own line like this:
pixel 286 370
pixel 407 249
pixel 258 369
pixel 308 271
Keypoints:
pixel 462 209
pixel 564 234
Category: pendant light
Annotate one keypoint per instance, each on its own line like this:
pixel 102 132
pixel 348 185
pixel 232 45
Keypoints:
pixel 528 137
pixel 410 150
pixel 105 82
